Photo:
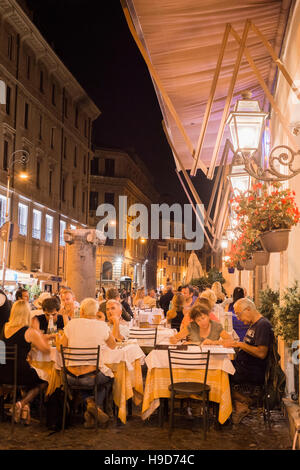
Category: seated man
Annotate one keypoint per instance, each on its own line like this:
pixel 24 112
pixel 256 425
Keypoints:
pixel 251 359
pixel 88 332
pixel 150 299
pixel 50 308
pixel 113 294
pixel 118 327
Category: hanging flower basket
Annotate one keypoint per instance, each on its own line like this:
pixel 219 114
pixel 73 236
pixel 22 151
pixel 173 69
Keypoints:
pixel 261 257
pixel 231 270
pixel 249 264
pixel 275 241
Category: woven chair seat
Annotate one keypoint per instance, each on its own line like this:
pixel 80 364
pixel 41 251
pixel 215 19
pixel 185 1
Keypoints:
pixel 189 387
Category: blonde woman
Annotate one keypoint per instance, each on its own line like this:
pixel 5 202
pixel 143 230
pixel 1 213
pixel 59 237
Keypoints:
pixel 138 300
pixel 17 331
pixel 217 289
pixel 175 315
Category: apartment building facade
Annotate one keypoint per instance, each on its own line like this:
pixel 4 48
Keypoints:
pixel 47 116
pixel 114 174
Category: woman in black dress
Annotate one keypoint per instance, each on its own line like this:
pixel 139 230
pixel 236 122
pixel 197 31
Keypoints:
pixel 175 315
pixel 17 331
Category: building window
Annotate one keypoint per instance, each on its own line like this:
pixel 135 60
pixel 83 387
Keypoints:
pixel 93 200
pixel 84 164
pixel 165 256
pixel 22 218
pixel 28 67
pixel 169 260
pixel 41 128
pixel 26 113
pixel 174 276
pixel 8 98
pixel 165 272
pixel 10 46
pixel 2 209
pixel 83 202
pixel 62 228
pixel 95 166
pixel 65 147
pixel 5 155
pixel 174 260
pixel 41 81
pixel 52 137
pixel 109 198
pixel 179 260
pixel 66 107
pixel 49 228
pixel 74 196
pixel 38 170
pixel 53 94
pixel 75 156
pixel 36 224
pixel 50 182
pixel 109 167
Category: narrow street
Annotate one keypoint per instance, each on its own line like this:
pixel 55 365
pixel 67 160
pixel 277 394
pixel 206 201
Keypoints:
pixel 251 434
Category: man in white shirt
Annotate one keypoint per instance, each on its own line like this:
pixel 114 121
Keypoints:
pixel 118 326
pixel 150 299
pixel 88 332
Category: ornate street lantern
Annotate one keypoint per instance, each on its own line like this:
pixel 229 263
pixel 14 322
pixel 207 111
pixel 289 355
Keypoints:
pixel 246 124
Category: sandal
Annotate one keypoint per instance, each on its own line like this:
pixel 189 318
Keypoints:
pixel 25 416
pixel 18 411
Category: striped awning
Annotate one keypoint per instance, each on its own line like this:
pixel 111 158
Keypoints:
pixel 183 39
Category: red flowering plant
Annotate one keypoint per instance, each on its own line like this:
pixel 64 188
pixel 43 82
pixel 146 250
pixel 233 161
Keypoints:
pixel 243 247
pixel 264 208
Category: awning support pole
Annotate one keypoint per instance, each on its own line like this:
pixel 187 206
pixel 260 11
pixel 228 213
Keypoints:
pixel 210 100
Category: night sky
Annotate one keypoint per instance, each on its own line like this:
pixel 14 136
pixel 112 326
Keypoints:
pixel 92 38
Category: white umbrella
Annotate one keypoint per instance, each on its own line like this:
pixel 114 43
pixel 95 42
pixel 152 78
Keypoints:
pixel 194 270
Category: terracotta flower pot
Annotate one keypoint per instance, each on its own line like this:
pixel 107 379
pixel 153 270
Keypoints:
pixel 261 258
pixel 275 240
pixel 231 270
pixel 249 264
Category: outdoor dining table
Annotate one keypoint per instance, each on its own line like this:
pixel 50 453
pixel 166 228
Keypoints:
pixel 124 362
pixel 158 379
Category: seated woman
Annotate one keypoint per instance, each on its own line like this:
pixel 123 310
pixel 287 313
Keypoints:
pixel 51 307
pixel 201 329
pixel 88 332
pixel 175 315
pixel 17 331
pixel 118 327
pixel 239 327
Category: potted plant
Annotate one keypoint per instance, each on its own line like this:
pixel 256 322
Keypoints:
pixel 271 211
pixel 287 315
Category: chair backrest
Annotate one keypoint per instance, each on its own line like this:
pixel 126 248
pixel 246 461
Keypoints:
pixel 188 360
pixel 78 355
pixel 11 354
pixel 144 333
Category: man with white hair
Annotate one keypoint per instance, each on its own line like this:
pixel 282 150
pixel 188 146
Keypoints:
pixel 118 327
pixel 251 359
pixel 88 332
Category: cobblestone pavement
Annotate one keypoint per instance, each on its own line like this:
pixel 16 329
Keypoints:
pixel 252 433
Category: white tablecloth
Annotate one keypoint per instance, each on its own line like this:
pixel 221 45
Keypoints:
pixel 159 359
pixel 127 353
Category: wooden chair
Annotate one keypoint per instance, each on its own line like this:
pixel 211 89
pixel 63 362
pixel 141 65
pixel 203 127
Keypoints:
pixel 77 355
pixel 189 360
pixel 11 354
